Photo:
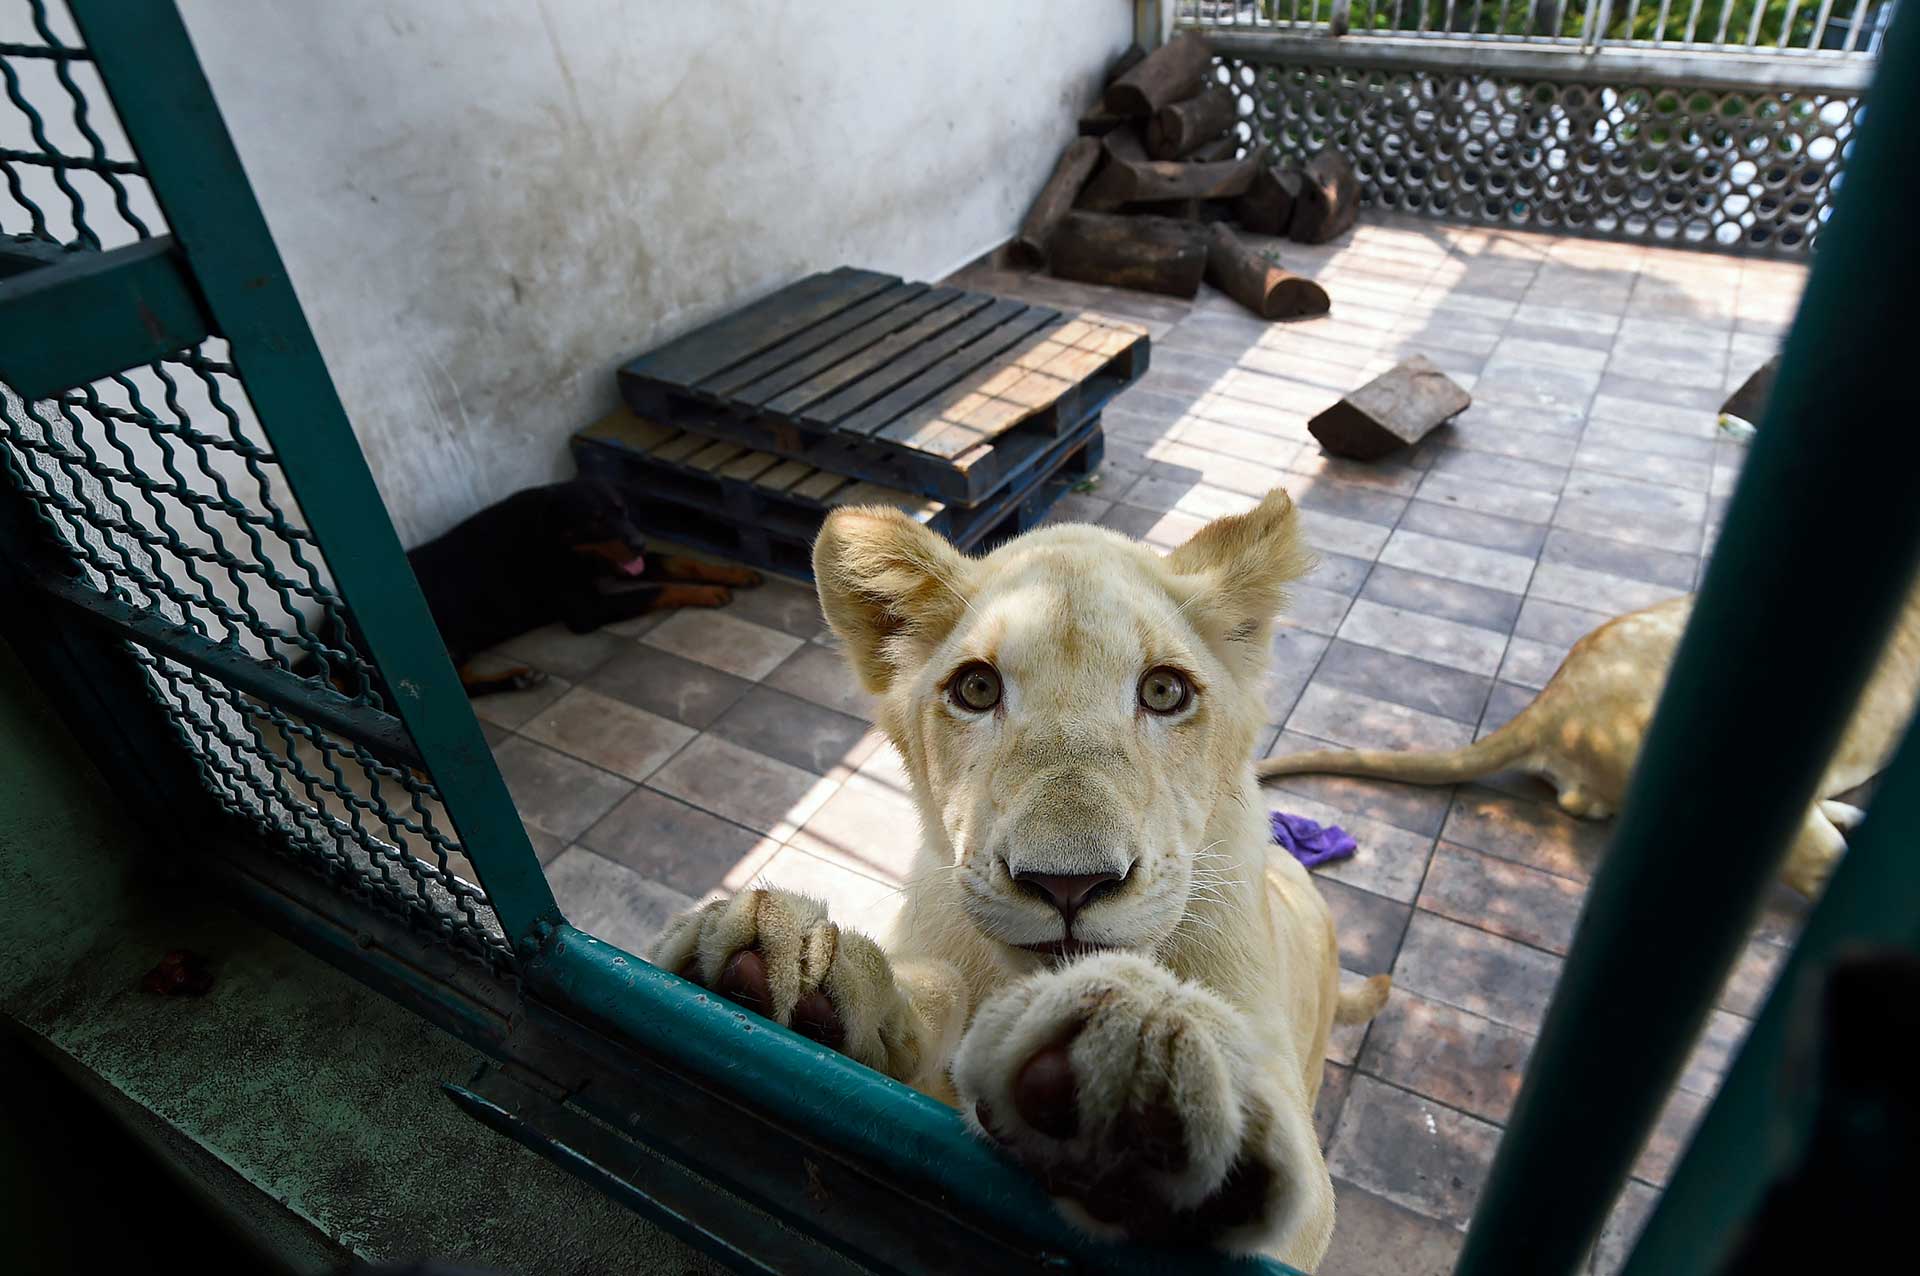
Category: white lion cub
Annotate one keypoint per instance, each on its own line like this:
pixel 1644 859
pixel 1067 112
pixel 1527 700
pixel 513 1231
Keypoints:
pixel 1101 961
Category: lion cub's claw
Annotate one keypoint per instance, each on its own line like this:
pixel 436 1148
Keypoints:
pixel 1138 1099
pixel 778 955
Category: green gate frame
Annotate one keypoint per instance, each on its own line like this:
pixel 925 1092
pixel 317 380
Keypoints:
pixel 731 1131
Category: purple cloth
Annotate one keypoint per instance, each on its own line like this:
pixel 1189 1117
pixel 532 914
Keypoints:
pixel 1309 843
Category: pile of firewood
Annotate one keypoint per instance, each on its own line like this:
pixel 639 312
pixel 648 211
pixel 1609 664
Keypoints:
pixel 1142 197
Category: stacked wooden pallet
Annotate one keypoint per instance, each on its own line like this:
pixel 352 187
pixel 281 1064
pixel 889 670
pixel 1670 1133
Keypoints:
pixel 969 411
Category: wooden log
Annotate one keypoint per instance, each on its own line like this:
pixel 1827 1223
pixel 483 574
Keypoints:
pixel 1204 211
pixel 1329 199
pixel 1096 120
pixel 1152 254
pixel 1394 410
pixel 1267 206
pixel 1171 72
pixel 1056 199
pixel 1257 282
pixel 1749 402
pixel 1179 127
pixel 1128 177
pixel 1220 148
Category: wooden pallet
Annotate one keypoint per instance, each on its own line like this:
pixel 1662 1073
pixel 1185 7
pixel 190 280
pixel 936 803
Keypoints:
pixel 932 390
pixel 760 509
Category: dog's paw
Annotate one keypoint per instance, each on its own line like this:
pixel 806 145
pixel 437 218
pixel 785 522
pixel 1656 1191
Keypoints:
pixel 1143 1103
pixel 778 955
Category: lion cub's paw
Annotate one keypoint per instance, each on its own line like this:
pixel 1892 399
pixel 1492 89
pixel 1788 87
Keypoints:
pixel 777 954
pixel 1141 1101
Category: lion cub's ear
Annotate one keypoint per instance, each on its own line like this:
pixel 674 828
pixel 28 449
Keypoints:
pixel 1246 560
pixel 889 587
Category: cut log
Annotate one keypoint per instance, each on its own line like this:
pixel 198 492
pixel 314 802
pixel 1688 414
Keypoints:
pixel 1130 57
pixel 1394 410
pixel 1098 123
pixel 1329 199
pixel 1096 120
pixel 1179 127
pixel 1257 282
pixel 1153 254
pixel 1055 201
pixel 1220 148
pixel 1171 72
pixel 1749 402
pixel 1204 211
pixel 1129 177
pixel 1267 207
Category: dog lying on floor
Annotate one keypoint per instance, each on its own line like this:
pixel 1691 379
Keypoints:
pixel 1102 960
pixel 1583 732
pixel 565 553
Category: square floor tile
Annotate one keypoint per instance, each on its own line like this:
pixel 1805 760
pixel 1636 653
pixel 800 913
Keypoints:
pixel 1368 926
pixel 1523 904
pixel 611 902
pixel 681 846
pixel 823 677
pixel 867 826
pixel 1418 808
pixel 1362 722
pixel 724 641
pixel 665 684
pixel 1418 1154
pixel 1457 560
pixel 1472 970
pixel 1527 832
pixel 779 604
pixel 1373 1236
pixel 555 649
pixel 1417 684
pixel 1429 638
pixel 611 734
pixel 741 785
pixel 558 794
pixel 795 731
pixel 1464 1060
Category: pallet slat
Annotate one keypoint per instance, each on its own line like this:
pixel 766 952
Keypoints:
pixel 734 380
pixel 930 390
pixel 744 521
pixel 748 332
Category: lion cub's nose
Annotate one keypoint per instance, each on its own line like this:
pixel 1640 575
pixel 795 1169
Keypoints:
pixel 1069 892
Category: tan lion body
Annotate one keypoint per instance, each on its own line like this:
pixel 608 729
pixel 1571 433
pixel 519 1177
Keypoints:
pixel 1162 1081
pixel 1582 733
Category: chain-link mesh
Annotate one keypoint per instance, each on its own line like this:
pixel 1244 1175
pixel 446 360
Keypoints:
pixel 163 487
pixel 1740 171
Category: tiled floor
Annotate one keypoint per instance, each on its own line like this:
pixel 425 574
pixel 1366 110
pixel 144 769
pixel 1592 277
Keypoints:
pixel 699 752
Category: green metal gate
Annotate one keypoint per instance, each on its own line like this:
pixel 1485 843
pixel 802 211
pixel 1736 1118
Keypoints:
pixel 185 517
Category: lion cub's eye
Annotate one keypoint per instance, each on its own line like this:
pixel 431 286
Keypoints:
pixel 975 687
pixel 1165 690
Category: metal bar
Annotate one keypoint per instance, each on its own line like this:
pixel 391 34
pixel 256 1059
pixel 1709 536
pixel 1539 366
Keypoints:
pixel 53 52
pixel 1693 18
pixel 1726 16
pixel 1819 25
pixel 897 1134
pixel 48 159
pixel 1753 72
pixel 264 680
pixel 177 131
pixel 1660 23
pixel 1626 1012
pixel 1853 28
pixel 1873 899
pixel 743 1238
pixel 1786 27
pixel 95 313
pixel 1753 27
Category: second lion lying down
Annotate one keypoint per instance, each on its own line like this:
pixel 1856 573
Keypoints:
pixel 1099 960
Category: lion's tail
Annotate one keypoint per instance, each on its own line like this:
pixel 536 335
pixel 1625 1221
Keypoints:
pixel 1361 1004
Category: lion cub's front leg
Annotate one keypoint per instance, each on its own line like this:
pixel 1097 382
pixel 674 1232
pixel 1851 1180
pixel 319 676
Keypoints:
pixel 1145 1103
pixel 778 954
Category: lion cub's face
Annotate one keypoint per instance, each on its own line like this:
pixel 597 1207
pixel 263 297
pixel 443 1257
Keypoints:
pixel 1072 708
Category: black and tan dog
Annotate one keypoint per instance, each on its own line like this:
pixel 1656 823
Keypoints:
pixel 567 553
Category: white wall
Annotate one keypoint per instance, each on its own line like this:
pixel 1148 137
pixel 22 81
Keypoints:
pixel 488 205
